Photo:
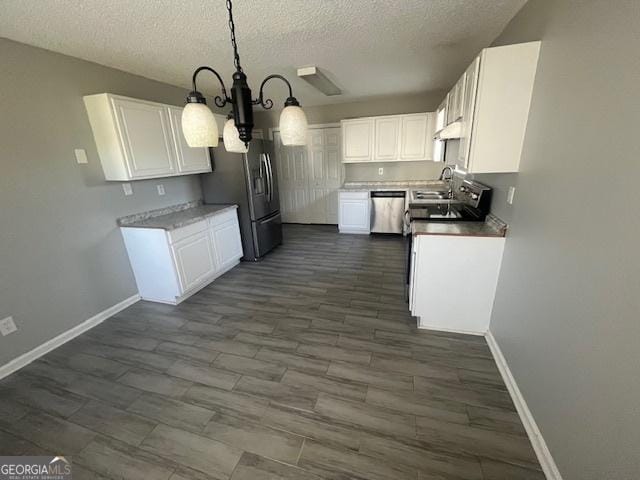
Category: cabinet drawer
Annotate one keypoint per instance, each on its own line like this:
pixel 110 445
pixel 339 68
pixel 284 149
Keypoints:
pixel 224 217
pixel 184 232
pixel 364 195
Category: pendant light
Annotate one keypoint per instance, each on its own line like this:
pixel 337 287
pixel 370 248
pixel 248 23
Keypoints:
pixel 231 137
pixel 200 128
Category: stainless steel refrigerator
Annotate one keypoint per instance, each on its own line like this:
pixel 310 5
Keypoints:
pixel 248 180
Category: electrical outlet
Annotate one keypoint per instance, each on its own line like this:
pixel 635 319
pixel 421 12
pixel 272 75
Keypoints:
pixel 81 156
pixel 160 189
pixel 380 171
pixel 128 190
pixel 512 192
pixel 7 326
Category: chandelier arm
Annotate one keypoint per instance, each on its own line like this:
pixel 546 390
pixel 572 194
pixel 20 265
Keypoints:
pixel 220 101
pixel 268 103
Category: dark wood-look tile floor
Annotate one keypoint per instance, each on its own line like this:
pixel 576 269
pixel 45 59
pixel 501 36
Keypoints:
pixel 304 366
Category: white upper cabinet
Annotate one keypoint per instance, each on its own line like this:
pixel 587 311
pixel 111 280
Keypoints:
pixel 189 159
pixel 416 138
pixel 137 139
pixel 494 108
pixel 455 99
pixel 386 138
pixel 391 138
pixel 357 140
pixel 468 108
pixel 146 138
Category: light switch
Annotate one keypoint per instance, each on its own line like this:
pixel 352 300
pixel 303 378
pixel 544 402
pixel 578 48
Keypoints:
pixel 126 187
pixel 512 192
pixel 81 156
pixel 7 326
pixel 160 189
pixel 380 171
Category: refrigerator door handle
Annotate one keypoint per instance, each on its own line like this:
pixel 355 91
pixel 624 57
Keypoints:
pixel 270 177
pixel 263 160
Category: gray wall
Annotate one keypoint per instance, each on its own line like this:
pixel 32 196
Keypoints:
pixel 392 171
pixel 423 102
pixel 62 256
pixel 567 311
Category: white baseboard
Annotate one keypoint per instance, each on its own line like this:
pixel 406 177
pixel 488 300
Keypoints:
pixel 26 358
pixel 450 330
pixel 547 463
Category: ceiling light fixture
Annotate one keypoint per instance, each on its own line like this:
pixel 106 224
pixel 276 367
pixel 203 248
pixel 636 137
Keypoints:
pixel 319 80
pixel 198 123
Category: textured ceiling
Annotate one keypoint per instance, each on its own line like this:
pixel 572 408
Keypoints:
pixel 367 47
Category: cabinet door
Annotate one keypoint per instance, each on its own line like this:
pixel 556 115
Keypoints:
pixel 414 139
pixel 454 110
pixel 440 120
pixel 189 160
pixel 227 244
pixel 386 137
pixel 357 140
pixel 194 260
pixel 413 279
pixel 354 215
pixel 146 138
pixel 354 212
pixel 468 109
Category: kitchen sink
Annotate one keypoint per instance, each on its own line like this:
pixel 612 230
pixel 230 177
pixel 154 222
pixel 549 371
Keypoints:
pixel 417 195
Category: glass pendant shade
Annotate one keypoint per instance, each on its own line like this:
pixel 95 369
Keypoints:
pixel 293 126
pixel 231 138
pixel 199 125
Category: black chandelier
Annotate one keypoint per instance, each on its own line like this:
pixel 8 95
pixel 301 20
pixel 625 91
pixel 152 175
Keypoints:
pixel 199 125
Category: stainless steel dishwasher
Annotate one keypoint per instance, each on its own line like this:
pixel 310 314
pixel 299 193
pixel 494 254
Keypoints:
pixel 387 211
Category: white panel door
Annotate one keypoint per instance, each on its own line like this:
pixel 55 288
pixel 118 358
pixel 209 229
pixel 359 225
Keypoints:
pixel 326 175
pixel 414 139
pixel 357 140
pixel 227 244
pixel 146 136
pixel 189 160
pixel 194 260
pixel 293 181
pixel 309 177
pixel 334 172
pixel 317 209
pixel 386 138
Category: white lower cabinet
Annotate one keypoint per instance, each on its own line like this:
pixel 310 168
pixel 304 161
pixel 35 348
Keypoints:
pixel 194 259
pixel 225 238
pixel 169 266
pixel 469 262
pixel 354 212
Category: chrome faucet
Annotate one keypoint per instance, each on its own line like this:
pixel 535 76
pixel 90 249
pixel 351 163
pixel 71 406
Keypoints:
pixel 444 170
pixel 448 179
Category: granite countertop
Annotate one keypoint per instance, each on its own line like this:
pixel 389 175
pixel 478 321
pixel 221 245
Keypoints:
pixel 171 218
pixel 391 185
pixel 492 227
